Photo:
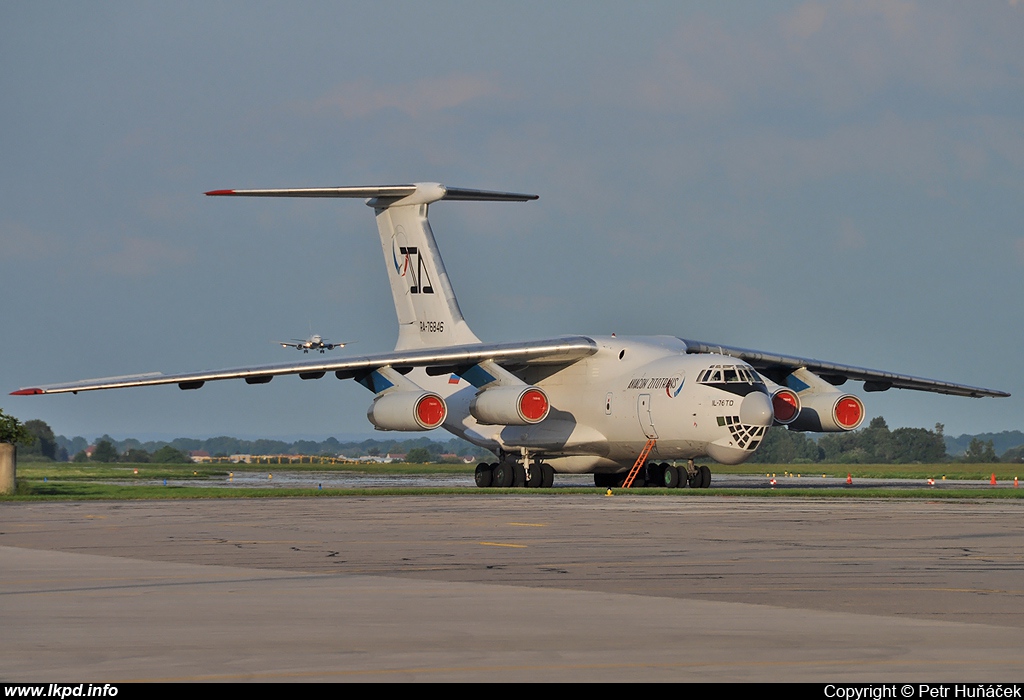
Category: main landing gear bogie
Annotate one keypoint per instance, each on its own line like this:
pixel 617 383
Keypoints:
pixel 512 474
pixel 662 475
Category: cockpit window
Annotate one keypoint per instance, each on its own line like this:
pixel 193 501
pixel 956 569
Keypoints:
pixel 718 374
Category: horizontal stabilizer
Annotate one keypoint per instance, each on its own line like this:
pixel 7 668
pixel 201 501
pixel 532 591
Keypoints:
pixel 434 191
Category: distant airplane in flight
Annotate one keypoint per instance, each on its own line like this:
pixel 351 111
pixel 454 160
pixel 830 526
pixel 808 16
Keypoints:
pixel 313 342
pixel 603 405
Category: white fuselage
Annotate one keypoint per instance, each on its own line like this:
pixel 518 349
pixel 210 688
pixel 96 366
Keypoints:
pixel 605 407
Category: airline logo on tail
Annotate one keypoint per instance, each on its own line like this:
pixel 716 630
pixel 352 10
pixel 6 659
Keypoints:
pixel 407 258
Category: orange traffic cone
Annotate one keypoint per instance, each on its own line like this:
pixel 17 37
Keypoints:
pixel 849 479
pixel 993 481
pixel 1014 482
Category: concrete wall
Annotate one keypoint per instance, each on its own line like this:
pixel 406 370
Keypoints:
pixel 8 461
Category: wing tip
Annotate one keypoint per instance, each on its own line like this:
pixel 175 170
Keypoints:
pixel 218 193
pixel 27 392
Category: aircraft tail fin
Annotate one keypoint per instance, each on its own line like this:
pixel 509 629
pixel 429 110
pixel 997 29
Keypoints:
pixel 428 312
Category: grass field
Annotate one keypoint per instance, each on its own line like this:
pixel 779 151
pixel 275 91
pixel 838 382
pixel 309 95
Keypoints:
pixel 71 481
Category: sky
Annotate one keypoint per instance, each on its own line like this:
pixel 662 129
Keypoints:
pixel 837 180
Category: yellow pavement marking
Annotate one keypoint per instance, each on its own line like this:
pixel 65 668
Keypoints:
pixel 500 544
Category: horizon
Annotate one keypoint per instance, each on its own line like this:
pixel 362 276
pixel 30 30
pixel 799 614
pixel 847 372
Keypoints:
pixel 438 436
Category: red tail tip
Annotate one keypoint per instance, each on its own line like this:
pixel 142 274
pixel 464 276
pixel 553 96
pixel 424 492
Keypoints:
pixel 26 392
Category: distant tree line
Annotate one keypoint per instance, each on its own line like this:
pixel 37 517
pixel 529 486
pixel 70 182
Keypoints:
pixel 107 449
pixel 875 444
pixel 1006 444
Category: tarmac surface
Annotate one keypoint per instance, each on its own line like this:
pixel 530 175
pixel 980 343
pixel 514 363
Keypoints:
pixel 491 587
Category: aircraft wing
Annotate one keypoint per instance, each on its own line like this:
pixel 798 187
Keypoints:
pixel 438 361
pixel 836 374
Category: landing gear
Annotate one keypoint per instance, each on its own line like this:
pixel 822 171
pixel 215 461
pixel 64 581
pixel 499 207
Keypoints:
pixel 669 475
pixel 510 473
pixel 698 477
pixel 662 475
pixel 483 475
pixel 535 478
pixel 502 475
pixel 518 475
pixel 547 475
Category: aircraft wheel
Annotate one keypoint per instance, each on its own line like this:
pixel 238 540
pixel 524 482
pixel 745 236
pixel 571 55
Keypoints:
pixel 694 480
pixel 518 475
pixel 669 476
pixel 501 475
pixel 536 476
pixel 483 475
pixel 547 475
pixel 705 476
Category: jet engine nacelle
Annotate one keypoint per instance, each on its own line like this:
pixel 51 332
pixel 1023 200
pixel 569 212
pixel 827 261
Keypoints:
pixel 828 412
pixel 408 410
pixel 510 405
pixel 786 404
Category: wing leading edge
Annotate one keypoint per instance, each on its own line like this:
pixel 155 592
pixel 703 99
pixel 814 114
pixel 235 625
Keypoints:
pixel 437 361
pixel 836 374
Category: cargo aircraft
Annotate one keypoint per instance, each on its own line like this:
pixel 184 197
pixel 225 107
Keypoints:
pixel 603 405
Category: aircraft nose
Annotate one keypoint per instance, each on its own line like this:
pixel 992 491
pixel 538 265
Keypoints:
pixel 756 409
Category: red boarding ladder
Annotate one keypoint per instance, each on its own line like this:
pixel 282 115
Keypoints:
pixel 639 463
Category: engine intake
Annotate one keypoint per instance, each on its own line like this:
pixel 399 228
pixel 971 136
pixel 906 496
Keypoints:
pixel 829 413
pixel 785 405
